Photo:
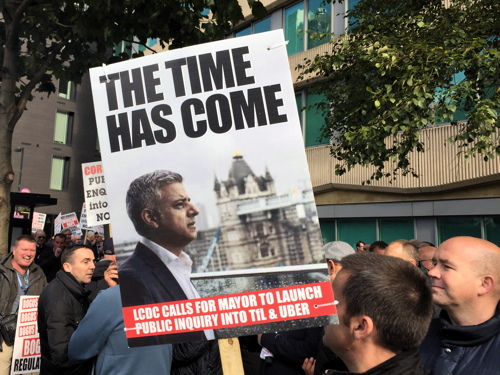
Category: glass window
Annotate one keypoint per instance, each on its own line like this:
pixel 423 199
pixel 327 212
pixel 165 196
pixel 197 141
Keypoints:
pixel 319 18
pixel 395 229
pixel 63 127
pixel 492 229
pixel 354 230
pixel 256 27
pixel 300 105
pixel 350 6
pixel 314 121
pixel 244 32
pixel 313 15
pixel 58 172
pixel 66 89
pixel 151 42
pixel 458 226
pixel 327 230
pixel 262 26
pixel 294 21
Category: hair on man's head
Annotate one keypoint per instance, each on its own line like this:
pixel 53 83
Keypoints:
pixel 395 294
pixel 61 235
pixel 145 193
pixel 25 237
pixel 409 249
pixel 377 244
pixel 67 254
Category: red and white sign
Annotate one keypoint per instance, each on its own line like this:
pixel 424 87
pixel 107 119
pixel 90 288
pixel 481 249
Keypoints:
pixel 231 310
pixel 26 354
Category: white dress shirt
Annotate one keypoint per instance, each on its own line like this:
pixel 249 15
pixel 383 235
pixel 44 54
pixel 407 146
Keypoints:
pixel 180 267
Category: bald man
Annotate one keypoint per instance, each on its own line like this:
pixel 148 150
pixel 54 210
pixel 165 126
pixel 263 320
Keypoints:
pixel 465 282
pixel 403 249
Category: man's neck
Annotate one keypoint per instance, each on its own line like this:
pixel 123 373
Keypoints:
pixel 363 360
pixel 18 268
pixel 176 250
pixel 472 315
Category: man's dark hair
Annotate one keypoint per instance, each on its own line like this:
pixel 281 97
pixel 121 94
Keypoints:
pixel 380 244
pixel 25 237
pixel 67 254
pixel 395 294
pixel 145 193
pixel 61 235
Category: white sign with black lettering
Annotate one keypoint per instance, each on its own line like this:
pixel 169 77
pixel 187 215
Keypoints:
pixel 96 201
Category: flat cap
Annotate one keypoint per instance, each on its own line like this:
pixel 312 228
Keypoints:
pixel 336 250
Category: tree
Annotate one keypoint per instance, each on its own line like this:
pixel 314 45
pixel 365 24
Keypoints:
pixel 404 66
pixel 43 39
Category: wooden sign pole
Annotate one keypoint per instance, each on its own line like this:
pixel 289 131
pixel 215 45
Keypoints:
pixel 230 356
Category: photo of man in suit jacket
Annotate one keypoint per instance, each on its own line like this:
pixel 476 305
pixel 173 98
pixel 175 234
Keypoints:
pixel 159 270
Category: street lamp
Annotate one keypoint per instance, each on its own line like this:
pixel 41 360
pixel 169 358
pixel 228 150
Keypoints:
pixel 21 150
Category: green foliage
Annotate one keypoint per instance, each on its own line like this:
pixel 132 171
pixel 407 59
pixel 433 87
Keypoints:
pixel 405 66
pixel 64 39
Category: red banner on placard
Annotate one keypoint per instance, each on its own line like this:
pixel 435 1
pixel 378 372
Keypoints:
pixel 241 309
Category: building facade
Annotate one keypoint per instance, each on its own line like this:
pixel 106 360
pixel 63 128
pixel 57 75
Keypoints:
pixel 50 142
pixel 451 197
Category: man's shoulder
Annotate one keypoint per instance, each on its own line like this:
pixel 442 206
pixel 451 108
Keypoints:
pixel 6 263
pixel 54 290
pixel 142 255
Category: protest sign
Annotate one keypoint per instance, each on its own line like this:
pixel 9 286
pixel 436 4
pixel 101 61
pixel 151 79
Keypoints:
pixel 83 217
pixel 223 117
pixel 70 221
pixel 38 221
pixel 26 353
pixel 57 224
pixel 94 188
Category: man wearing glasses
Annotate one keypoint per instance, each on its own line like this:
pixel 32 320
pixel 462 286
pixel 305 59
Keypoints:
pixel 19 275
pixel 41 246
pixel 426 253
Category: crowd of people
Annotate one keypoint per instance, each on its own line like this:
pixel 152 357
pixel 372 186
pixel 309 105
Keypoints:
pixel 67 275
pixel 405 307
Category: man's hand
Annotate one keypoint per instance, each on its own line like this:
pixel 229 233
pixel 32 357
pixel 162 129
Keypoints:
pixel 57 252
pixel 308 366
pixel 111 274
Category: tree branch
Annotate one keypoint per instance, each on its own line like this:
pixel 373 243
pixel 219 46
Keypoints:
pixel 35 80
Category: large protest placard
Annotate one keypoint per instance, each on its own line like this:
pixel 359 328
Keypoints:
pixel 223 117
pixel 94 188
pixel 26 353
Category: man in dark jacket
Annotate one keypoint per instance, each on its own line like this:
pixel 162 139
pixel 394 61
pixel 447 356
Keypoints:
pixel 384 305
pixel 62 305
pixel 159 270
pixel 19 275
pixel 465 339
pixel 50 260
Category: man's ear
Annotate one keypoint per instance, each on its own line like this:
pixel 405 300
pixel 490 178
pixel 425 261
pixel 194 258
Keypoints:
pixel 487 285
pixel 331 266
pixel 149 217
pixel 67 267
pixel 361 327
